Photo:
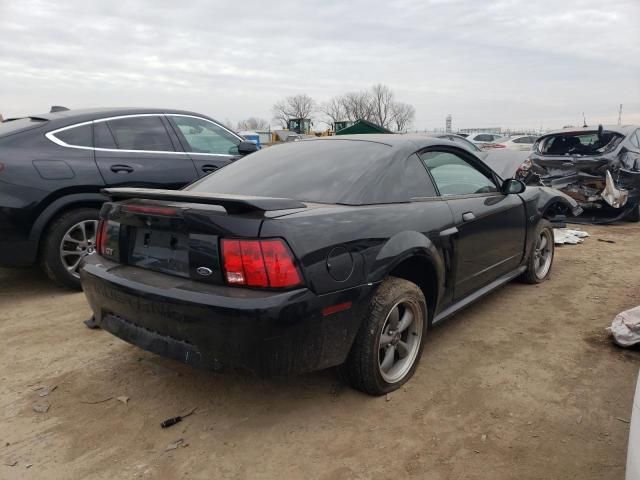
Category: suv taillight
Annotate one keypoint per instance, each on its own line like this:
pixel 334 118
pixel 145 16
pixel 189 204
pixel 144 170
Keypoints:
pixel 259 263
pixel 101 236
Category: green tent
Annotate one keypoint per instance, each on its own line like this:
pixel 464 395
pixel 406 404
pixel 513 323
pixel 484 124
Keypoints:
pixel 362 126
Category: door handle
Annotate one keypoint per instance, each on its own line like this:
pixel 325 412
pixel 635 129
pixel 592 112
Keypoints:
pixel 209 168
pixel 468 216
pixel 121 169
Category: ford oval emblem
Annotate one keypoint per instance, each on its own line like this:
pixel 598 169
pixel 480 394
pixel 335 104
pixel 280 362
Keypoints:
pixel 204 271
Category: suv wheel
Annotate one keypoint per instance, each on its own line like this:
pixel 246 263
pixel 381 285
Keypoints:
pixel 69 238
pixel 389 344
pixel 541 258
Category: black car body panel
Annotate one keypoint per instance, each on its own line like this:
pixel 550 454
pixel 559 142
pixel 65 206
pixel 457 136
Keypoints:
pixel 579 168
pixel 42 176
pixel 343 251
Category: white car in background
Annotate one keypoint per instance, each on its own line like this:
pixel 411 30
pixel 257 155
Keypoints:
pixel 633 452
pixel 522 143
pixel 482 139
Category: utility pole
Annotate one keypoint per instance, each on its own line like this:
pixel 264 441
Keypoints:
pixel 620 115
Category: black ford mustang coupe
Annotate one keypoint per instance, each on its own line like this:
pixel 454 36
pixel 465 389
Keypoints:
pixel 323 252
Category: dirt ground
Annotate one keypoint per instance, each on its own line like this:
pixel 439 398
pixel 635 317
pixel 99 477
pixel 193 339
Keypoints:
pixel 524 384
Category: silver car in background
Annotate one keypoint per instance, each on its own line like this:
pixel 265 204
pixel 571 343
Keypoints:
pixel 521 143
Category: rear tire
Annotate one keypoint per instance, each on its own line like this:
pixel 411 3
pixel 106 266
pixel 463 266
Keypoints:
pixel 541 258
pixel 389 344
pixel 73 231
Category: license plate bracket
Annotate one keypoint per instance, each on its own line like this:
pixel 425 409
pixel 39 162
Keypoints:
pixel 159 250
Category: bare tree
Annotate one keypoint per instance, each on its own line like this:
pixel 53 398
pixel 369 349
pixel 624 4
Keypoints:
pixel 333 110
pixel 382 105
pixel 295 106
pixel 281 113
pixel 402 115
pixel 358 105
pixel 253 123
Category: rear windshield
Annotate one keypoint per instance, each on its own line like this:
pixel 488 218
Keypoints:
pixel 9 127
pixel 323 171
pixel 579 143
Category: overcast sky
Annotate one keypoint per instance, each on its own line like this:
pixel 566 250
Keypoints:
pixel 512 63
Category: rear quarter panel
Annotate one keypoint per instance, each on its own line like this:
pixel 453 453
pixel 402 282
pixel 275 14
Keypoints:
pixel 376 237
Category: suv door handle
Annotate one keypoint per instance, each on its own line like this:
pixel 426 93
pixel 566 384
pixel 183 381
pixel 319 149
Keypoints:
pixel 121 169
pixel 209 168
pixel 468 216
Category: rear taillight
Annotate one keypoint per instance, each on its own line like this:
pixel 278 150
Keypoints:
pixel 101 236
pixel 496 145
pixel 259 263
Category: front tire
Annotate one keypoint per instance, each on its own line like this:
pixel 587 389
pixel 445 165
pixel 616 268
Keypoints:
pixel 541 257
pixel 389 344
pixel 69 239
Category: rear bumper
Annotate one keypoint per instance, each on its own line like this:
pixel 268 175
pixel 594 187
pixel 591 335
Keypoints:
pixel 213 327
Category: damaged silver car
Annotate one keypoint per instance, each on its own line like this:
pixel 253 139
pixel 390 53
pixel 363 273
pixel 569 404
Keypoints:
pixel 599 168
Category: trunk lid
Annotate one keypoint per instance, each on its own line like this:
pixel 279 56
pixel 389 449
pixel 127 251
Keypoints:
pixel 178 232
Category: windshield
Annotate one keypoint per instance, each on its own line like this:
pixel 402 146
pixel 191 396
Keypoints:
pixel 9 127
pixel 323 171
pixel 579 143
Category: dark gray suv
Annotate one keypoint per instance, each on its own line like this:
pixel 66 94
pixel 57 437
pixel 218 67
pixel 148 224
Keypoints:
pixel 53 166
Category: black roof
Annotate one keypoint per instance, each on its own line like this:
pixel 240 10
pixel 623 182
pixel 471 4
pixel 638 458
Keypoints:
pixel 86 114
pixel 68 117
pixel 621 129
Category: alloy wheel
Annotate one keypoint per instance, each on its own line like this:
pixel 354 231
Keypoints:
pixel 78 242
pixel 543 254
pixel 400 340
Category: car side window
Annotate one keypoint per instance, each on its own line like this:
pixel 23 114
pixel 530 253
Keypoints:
pixel 77 136
pixel 417 180
pixel 484 138
pixel 141 133
pixel 203 136
pixel 635 138
pixel 102 136
pixel 520 140
pixel 455 176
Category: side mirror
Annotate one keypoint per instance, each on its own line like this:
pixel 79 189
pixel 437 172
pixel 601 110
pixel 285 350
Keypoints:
pixel 246 147
pixel 511 185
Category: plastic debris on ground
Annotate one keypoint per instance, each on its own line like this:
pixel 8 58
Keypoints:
pixel 562 236
pixel 625 328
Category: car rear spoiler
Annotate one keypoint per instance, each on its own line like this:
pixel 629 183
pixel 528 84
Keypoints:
pixel 231 203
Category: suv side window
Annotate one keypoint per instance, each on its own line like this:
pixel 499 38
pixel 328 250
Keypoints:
pixel 141 133
pixel 455 176
pixel 81 136
pixel 202 136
